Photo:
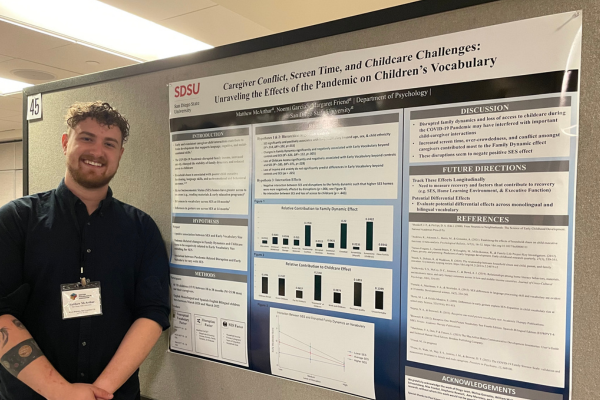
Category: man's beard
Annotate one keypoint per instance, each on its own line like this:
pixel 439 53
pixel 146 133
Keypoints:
pixel 89 181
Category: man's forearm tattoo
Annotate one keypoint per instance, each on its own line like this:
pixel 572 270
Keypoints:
pixel 4 333
pixel 20 356
pixel 18 324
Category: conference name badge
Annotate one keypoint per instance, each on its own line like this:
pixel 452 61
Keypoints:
pixel 80 301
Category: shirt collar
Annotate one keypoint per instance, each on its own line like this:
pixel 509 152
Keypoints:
pixel 65 194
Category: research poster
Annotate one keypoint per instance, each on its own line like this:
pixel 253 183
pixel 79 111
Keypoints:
pixel 394 222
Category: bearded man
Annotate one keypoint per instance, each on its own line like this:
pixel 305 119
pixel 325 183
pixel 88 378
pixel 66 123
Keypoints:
pixel 84 277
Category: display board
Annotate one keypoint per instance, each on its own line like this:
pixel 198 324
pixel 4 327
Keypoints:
pixel 386 221
pixel 529 89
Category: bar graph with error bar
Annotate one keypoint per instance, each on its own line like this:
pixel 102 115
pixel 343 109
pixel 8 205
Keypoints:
pixel 350 289
pixel 359 231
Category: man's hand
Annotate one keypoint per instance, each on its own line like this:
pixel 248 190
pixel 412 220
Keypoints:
pixel 82 391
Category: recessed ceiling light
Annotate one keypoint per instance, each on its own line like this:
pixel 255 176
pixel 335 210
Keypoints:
pixel 110 29
pixel 33 74
pixel 8 86
pixel 92 62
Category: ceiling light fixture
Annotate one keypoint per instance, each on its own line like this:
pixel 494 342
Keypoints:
pixel 8 86
pixel 97 25
pixel 114 53
pixel 68 39
pixel 45 32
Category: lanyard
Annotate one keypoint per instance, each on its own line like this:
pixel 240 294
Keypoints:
pixel 81 235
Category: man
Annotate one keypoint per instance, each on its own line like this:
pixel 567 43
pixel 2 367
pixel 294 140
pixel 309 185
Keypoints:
pixel 84 279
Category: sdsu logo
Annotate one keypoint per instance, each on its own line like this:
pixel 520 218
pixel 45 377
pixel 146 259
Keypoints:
pixel 187 90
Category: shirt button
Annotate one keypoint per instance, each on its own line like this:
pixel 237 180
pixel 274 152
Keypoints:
pixel 82 374
pixel 83 344
pixel 89 250
pixel 88 224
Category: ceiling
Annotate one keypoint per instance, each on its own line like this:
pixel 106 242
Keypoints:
pixel 217 23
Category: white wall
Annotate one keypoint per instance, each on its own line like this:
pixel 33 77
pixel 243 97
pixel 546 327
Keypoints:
pixel 11 171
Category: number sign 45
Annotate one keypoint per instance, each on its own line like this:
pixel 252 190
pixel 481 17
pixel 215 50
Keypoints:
pixel 34 107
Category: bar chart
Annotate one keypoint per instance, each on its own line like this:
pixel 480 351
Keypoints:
pixel 349 289
pixel 361 231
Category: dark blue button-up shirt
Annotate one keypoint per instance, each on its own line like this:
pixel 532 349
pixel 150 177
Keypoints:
pixel 45 240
